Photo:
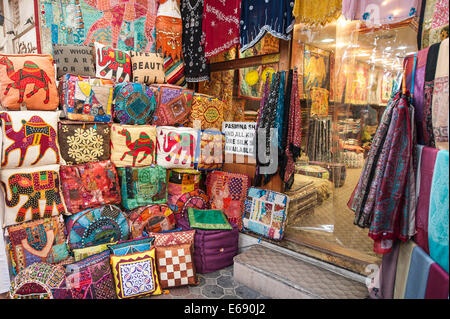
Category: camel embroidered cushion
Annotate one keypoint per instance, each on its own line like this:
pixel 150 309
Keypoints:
pixel 29 79
pixel 133 145
pixel 84 142
pixel 86 98
pixel 176 146
pixel 147 68
pixel 112 63
pixel 89 185
pixel 29 138
pixel 208 111
pixel 134 103
pixel 74 59
pixel 142 186
pixel 173 105
pixel 152 218
pixel 210 150
pixel 38 241
pixel 31 194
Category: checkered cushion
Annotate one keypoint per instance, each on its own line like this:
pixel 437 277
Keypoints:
pixel 175 266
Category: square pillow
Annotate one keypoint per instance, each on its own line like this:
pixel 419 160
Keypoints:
pixel 74 59
pixel 173 105
pixel 135 275
pixel 208 219
pixel 152 218
pixel 209 155
pixel 142 186
pixel 28 79
pixel 112 63
pixel 173 238
pixel 147 67
pixel 207 110
pixel 84 142
pixel 83 253
pixel 133 145
pixel 89 185
pixel 176 146
pixel 176 266
pixel 29 138
pixel 31 194
pixel 131 246
pixel 37 241
pixel 181 181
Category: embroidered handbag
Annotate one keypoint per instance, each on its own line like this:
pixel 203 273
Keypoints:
pixel 173 105
pixel 86 98
pixel 266 213
pixel 208 111
pixel 96 226
pixel 42 240
pixel 176 146
pixel 89 185
pixel 209 155
pixel 142 186
pixel 181 181
pixel 112 63
pixel 153 218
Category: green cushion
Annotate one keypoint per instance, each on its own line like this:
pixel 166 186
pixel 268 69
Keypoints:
pixel 208 219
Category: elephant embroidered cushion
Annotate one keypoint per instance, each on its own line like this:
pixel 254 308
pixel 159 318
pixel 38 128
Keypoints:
pixel 135 275
pixel 134 103
pixel 112 63
pixel 29 79
pixel 181 181
pixel 84 142
pixel 86 98
pixel 74 59
pixel 142 186
pixel 38 241
pixel 29 138
pixel 31 194
pixel 173 105
pixel 89 185
pixel 208 111
pixel 152 218
pixel 133 145
pixel 210 150
pixel 147 68
pixel 131 246
pixel 176 146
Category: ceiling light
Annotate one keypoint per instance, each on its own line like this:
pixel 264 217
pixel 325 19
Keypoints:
pixel 403 47
pixel 327 40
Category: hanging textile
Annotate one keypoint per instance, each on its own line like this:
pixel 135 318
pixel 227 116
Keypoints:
pixel 438 283
pixel 435 23
pixel 279 121
pixel 282 159
pixel 197 68
pixel 259 17
pixel 319 139
pixel 403 264
pixel 418 89
pixel 419 268
pixel 313 12
pixel 169 29
pixel 221 25
pixel 388 271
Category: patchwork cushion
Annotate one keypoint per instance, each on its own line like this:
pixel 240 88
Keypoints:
pixel 29 138
pixel 181 181
pixel 133 145
pixel 153 218
pixel 28 191
pixel 173 105
pixel 38 241
pixel 176 146
pixel 176 266
pixel 208 111
pixel 134 103
pixel 210 150
pixel 112 63
pixel 29 79
pixel 84 142
pixel 195 199
pixel 173 238
pixel 208 219
pixel 147 67
pixel 89 185
pixel 82 253
pixel 131 246
pixel 86 99
pixel 135 275
pixel 74 59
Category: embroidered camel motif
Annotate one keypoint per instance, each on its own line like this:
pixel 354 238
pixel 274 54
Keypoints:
pixel 29 74
pixel 143 144
pixel 34 132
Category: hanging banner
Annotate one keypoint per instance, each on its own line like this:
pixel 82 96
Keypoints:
pixel 239 137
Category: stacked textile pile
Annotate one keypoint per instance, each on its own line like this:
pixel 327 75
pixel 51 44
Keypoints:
pixel 303 199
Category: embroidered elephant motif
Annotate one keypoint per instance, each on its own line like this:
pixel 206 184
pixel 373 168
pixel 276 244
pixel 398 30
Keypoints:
pixel 178 143
pixel 111 60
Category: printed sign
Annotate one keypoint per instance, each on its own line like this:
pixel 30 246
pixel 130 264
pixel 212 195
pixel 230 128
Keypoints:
pixel 239 137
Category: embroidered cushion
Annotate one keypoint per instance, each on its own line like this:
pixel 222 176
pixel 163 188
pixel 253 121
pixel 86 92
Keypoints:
pixel 173 238
pixel 173 105
pixel 131 246
pixel 181 181
pixel 134 103
pixel 84 142
pixel 75 59
pixel 133 145
pixel 37 281
pixel 82 253
pixel 86 98
pixel 195 199
pixel 31 193
pixel 38 241
pixel 147 67
pixel 153 218
pixel 112 63
pixel 210 149
pixel 208 219
pixel 176 146
pixel 89 185
pixel 176 266
pixel 266 212
pixel 96 226
pixel 208 111
pixel 29 138
pixel 28 79
pixel 135 275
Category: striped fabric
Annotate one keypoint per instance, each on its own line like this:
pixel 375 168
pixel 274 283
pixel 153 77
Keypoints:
pixel 174 71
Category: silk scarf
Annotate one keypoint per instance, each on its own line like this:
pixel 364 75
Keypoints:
pixel 403 264
pixel 418 87
pixel 438 283
pixel 313 12
pixel 419 268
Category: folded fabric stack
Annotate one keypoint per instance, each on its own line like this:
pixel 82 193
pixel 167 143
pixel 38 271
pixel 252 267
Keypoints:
pixel 303 199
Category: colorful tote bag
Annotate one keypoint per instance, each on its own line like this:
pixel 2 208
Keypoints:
pixel 134 103
pixel 152 218
pixel 228 191
pixel 195 199
pixel 31 194
pixel 176 146
pixel 74 59
pixel 133 145
pixel 148 68
pixel 173 105
pixel 96 226
pixel 135 275
pixel 142 186
pixel 29 79
pixel 209 155
pixel 41 240
pixel 173 238
pixel 181 181
pixel 208 111
pixel 86 99
pixel 112 64
pixel 29 138
pixel 266 213
pixel 82 143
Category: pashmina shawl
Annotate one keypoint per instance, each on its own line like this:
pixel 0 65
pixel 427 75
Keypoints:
pixel 313 12
pixel 418 96
pixel 416 284
pixel 403 264
pixel 287 102
pixel 438 283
